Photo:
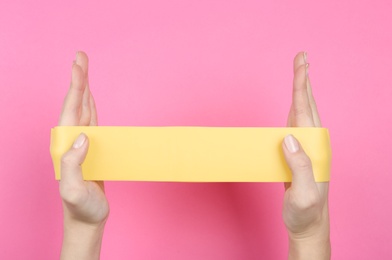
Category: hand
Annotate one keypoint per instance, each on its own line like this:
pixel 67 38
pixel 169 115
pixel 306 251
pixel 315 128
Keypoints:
pixel 305 208
pixel 85 206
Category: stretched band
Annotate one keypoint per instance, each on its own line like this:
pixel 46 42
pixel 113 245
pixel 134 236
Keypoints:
pixel 191 154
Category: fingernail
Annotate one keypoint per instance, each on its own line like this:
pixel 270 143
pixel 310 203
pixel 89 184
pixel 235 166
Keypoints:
pixel 79 141
pixel 76 55
pixel 291 144
pixel 305 56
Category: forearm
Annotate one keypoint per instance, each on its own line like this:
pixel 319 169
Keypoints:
pixel 81 241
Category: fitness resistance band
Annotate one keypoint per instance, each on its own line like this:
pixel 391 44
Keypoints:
pixel 191 154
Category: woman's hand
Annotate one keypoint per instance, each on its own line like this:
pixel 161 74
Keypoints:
pixel 85 206
pixel 305 208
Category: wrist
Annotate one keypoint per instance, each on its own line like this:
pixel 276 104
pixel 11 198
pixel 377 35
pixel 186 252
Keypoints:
pixel 73 226
pixel 312 244
pixel 76 231
pixel 81 240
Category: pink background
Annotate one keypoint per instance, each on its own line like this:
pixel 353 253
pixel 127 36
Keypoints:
pixel 203 63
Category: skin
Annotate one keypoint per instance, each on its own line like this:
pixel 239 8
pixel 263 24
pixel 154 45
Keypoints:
pixel 85 206
pixel 305 206
pixel 86 209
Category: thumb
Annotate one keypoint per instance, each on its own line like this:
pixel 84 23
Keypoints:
pixel 71 161
pixel 299 164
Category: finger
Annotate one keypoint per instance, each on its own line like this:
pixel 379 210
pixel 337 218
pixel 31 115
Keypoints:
pixel 85 115
pixel 299 60
pixel 312 102
pixel 82 60
pixel 71 170
pixel 299 164
pixel 89 112
pixel 302 113
pixel 289 118
pixel 71 110
pixel 94 116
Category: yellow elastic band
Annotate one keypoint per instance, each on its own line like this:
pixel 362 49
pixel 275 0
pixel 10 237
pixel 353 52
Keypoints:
pixel 191 154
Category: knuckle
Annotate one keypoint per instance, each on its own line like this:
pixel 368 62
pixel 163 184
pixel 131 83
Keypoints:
pixel 67 159
pixel 302 68
pixel 71 195
pixel 303 162
pixel 302 111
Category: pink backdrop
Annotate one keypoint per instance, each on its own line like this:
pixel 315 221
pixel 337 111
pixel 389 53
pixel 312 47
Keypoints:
pixel 203 63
